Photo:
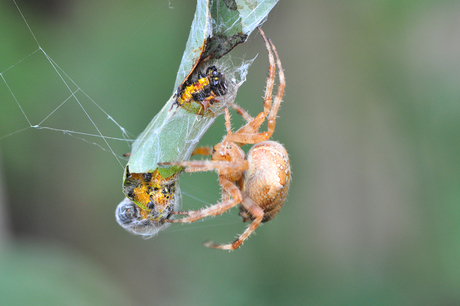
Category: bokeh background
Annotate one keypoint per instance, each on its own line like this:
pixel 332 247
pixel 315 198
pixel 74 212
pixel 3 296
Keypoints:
pixel 370 118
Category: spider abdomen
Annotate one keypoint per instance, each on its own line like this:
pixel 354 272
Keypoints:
pixel 267 179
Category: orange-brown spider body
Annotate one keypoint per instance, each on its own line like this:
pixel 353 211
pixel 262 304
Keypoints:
pixel 262 176
pixel 267 179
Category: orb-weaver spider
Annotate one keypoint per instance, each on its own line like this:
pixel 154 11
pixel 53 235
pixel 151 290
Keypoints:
pixel 262 178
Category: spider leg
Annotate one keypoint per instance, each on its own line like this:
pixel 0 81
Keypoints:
pixel 216 209
pixel 258 215
pixel 279 94
pixel 228 123
pixel 249 133
pixel 193 165
pixel 223 167
pixel 202 151
pixel 242 112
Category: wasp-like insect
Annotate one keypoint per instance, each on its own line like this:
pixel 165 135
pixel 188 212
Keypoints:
pixel 203 90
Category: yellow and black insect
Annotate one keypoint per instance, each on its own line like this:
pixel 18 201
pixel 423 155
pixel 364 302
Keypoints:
pixel 202 90
pixel 151 193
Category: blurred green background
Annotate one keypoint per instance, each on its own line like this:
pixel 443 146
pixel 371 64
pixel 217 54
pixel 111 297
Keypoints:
pixel 370 118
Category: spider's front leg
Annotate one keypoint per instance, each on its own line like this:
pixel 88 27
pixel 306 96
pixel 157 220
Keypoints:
pixel 228 172
pixel 250 132
pixel 213 210
pixel 222 167
pixel 202 151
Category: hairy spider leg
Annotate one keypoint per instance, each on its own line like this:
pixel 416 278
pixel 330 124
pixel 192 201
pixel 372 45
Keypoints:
pixel 249 133
pixel 242 112
pixel 213 210
pixel 258 215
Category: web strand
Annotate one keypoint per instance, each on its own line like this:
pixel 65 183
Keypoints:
pixel 69 83
pixel 75 94
pixel 27 24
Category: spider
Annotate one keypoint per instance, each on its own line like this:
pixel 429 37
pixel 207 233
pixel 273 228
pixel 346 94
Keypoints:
pixel 262 177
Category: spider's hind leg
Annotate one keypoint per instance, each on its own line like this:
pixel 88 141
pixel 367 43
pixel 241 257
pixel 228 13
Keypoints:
pixel 258 215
